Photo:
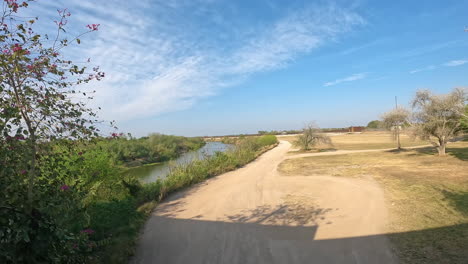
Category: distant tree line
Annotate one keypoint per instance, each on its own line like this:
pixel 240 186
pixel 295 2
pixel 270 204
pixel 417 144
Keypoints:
pixel 279 132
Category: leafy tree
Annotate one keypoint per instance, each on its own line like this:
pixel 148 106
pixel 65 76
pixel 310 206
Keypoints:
pixel 374 124
pixel 438 116
pixel 394 121
pixel 310 137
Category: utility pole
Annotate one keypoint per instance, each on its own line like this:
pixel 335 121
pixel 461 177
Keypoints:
pixel 397 127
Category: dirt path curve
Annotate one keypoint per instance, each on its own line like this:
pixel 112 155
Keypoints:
pixel 254 215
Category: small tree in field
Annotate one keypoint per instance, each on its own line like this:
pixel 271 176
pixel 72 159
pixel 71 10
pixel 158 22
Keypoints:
pixel 394 121
pixel 310 137
pixel 438 117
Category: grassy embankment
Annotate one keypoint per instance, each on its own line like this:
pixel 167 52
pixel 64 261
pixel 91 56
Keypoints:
pixel 123 219
pixel 427 196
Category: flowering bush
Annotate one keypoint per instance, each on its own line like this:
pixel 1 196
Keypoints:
pixel 42 208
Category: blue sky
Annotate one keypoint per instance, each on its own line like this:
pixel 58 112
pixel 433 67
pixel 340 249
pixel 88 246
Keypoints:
pixel 213 67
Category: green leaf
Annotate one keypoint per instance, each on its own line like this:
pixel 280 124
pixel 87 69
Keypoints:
pixel 78 41
pixel 26 237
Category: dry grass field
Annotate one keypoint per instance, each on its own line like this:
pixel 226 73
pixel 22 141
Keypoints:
pixel 427 195
pixel 366 140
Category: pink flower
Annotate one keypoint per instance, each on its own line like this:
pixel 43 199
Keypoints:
pixel 93 27
pixel 80 153
pixel 64 187
pixel 88 231
pixel 17 48
pixel 23 172
pixel 12 4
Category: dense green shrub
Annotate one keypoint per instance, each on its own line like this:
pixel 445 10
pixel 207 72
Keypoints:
pixel 111 217
pixel 149 192
pixel 68 181
pixel 267 140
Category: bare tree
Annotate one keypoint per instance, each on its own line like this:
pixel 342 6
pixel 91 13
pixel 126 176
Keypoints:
pixel 437 117
pixel 311 136
pixel 394 121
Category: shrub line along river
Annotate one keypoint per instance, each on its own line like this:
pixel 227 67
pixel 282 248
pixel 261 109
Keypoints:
pixel 150 173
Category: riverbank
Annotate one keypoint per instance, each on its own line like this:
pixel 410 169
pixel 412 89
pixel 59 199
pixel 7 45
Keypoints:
pixel 121 220
pixel 129 152
pixel 150 173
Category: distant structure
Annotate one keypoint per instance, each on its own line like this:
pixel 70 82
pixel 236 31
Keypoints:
pixel 351 129
pixel 354 129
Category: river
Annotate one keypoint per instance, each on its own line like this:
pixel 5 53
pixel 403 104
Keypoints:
pixel 151 173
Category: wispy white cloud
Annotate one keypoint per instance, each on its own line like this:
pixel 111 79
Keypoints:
pixel 451 63
pixel 454 63
pixel 363 46
pixel 157 60
pixel 430 48
pixel 428 68
pixel 354 77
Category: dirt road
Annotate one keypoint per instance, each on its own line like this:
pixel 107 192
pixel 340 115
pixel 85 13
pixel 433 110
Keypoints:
pixel 255 215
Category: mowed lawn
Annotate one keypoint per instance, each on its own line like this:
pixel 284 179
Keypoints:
pixel 366 140
pixel 427 196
